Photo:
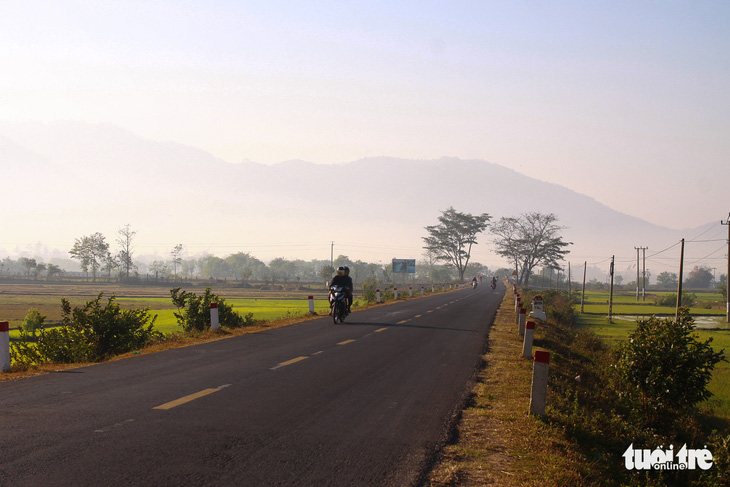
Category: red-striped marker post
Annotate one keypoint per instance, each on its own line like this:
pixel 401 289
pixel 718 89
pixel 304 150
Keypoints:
pixel 311 305
pixel 5 346
pixel 529 337
pixel 538 395
pixel 522 318
pixel 214 324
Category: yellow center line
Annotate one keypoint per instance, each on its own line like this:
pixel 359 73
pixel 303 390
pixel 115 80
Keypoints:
pixel 418 316
pixel 186 399
pixel 345 342
pixel 401 322
pixel 380 329
pixel 292 361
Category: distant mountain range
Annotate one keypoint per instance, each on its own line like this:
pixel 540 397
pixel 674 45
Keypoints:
pixel 64 180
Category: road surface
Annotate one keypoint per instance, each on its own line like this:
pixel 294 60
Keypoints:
pixel 369 402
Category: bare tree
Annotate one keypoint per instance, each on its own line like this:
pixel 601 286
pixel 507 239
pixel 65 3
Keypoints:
pixel 177 260
pixel 528 241
pixel 124 239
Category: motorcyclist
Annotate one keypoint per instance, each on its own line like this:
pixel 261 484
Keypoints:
pixel 474 282
pixel 343 279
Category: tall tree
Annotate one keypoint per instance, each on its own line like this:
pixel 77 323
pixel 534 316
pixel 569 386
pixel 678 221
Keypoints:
pixel 528 241
pixel 90 251
pixel 124 239
pixel 177 260
pixel 452 239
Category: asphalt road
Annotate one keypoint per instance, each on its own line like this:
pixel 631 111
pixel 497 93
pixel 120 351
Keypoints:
pixel 369 402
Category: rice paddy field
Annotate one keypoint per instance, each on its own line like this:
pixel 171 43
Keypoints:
pixel 17 299
pixel 710 318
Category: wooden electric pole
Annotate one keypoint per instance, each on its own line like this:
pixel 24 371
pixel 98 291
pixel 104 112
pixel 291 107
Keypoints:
pixel 679 286
pixel 610 298
pixel 727 277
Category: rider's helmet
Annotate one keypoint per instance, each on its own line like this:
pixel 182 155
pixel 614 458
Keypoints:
pixel 347 271
pixel 341 271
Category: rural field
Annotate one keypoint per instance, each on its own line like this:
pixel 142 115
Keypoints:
pixel 709 315
pixel 16 299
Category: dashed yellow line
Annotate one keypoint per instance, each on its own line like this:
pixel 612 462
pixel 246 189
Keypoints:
pixel 401 322
pixel 187 399
pixel 289 362
pixel 345 342
pixel 418 316
pixel 380 329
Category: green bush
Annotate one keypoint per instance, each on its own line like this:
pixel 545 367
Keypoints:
pixel 369 288
pixel 89 333
pixel 194 311
pixel 666 367
pixel 33 321
pixel 688 299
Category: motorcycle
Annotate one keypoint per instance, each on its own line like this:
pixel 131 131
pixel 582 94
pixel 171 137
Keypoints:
pixel 338 303
pixel 473 284
pixel 494 284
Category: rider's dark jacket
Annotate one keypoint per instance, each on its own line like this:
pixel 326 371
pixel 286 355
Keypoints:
pixel 345 281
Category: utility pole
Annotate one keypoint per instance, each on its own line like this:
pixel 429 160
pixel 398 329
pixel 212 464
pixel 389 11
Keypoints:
pixel 643 271
pixel 727 278
pixel 637 272
pixel 583 294
pixel 679 286
pixel 610 299
pixel 570 285
pixel 332 255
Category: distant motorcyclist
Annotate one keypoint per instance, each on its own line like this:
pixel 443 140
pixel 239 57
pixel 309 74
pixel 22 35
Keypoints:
pixel 494 282
pixel 474 282
pixel 343 279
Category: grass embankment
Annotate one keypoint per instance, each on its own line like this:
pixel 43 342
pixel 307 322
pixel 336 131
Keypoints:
pixel 498 442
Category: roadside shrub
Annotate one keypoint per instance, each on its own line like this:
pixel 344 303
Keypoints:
pixel 89 333
pixel 369 288
pixel 688 299
pixel 194 311
pixel 667 368
pixel 33 321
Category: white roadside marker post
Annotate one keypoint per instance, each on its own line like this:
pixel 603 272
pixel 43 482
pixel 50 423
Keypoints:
pixel 523 317
pixel 395 293
pixel 377 295
pixel 5 346
pixel 410 291
pixel 529 337
pixel 214 325
pixel 311 305
pixel 538 395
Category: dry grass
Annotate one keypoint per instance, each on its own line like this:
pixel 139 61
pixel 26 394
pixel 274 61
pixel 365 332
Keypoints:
pixel 498 442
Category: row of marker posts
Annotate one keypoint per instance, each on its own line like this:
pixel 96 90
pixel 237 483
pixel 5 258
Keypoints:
pixel 541 361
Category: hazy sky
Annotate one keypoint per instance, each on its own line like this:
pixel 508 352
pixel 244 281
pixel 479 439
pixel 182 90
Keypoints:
pixel 625 101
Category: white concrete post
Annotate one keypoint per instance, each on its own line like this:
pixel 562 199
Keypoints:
pixel 433 288
pixel 377 295
pixel 523 317
pixel 410 291
pixel 538 394
pixel 422 291
pixel 311 305
pixel 5 346
pixel 517 312
pixel 214 325
pixel 517 303
pixel 395 292
pixel 529 337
